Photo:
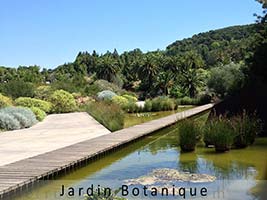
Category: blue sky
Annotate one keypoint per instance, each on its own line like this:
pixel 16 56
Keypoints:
pixel 51 32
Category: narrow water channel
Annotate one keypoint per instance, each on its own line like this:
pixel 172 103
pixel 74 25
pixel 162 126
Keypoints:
pixel 239 174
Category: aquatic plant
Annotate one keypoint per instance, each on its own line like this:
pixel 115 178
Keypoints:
pixel 246 128
pixel 223 134
pixel 208 135
pixel 188 131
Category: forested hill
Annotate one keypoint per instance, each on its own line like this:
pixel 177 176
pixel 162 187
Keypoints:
pixel 222 45
pixel 213 60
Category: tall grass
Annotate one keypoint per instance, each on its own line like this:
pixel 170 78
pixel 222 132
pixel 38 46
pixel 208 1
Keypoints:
pixel 188 132
pixel 107 113
pixel 246 128
pixel 223 134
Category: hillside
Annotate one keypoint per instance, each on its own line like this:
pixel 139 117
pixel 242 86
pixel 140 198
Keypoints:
pixel 213 60
pixel 219 46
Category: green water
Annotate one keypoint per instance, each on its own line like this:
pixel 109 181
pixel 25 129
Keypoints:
pixel 132 119
pixel 240 173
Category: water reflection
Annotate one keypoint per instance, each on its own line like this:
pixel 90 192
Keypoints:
pixel 237 171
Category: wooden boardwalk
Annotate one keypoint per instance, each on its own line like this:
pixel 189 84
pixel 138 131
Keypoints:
pixel 19 175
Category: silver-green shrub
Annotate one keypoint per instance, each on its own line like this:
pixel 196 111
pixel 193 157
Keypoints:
pixel 8 122
pixel 105 95
pixel 24 116
pixel 23 120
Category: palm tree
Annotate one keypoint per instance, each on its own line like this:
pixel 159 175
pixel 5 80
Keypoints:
pixel 106 68
pixel 190 76
pixel 165 81
pixel 147 71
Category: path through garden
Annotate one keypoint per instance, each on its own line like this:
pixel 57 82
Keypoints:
pixel 56 131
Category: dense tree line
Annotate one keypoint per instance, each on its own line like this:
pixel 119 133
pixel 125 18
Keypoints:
pixel 183 69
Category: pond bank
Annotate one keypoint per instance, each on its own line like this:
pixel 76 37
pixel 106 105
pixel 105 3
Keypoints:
pixel 238 172
pixel 24 173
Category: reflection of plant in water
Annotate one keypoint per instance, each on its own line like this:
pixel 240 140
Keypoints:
pixel 232 170
pixel 164 142
pixel 188 162
pixel 222 168
pixel 104 196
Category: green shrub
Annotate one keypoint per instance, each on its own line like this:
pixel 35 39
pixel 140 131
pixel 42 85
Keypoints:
pixel 12 115
pixel 148 106
pixel 121 101
pixel 223 134
pixel 162 104
pixel 226 80
pixel 32 102
pixel 5 101
pixel 187 101
pixel 188 131
pixel 200 100
pixel 105 85
pixel 62 102
pixel 246 128
pixel 132 94
pixel 130 98
pixel 17 89
pixel 167 104
pixel 203 99
pixel 8 122
pixel 132 107
pixel 91 90
pixel 106 95
pixel 40 114
pixel 107 113
pixel 43 92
